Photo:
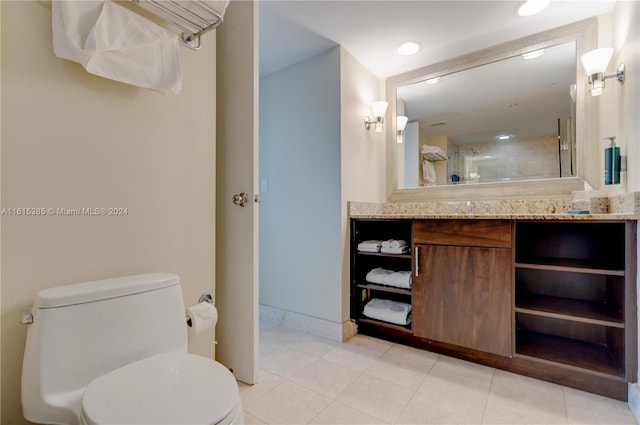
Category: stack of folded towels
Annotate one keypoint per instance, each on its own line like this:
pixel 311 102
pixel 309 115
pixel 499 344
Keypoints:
pixel 394 246
pixel 386 277
pixel 433 153
pixel 390 311
pixel 370 246
pixel 390 246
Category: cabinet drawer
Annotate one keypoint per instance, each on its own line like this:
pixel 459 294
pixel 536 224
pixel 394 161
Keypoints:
pixel 463 232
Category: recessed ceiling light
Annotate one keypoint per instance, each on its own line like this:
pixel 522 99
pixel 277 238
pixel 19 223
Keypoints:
pixel 504 137
pixel 433 80
pixel 531 7
pixel 409 48
pixel 533 55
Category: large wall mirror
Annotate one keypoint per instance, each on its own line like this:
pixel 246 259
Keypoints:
pixel 509 119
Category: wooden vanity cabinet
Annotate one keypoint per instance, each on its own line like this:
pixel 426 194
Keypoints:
pixel 462 283
pixel 551 299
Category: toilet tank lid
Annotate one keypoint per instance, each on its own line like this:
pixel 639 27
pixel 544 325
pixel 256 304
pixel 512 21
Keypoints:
pixel 97 290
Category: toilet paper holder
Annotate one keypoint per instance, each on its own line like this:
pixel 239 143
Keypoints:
pixel 206 298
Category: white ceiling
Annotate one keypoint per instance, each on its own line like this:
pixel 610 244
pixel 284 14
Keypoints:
pixel 294 30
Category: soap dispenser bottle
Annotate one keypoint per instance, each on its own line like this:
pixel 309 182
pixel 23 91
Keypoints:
pixel 611 162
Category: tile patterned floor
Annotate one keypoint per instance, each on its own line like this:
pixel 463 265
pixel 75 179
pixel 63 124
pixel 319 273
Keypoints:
pixel 306 379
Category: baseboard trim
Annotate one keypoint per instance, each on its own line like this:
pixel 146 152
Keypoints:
pixel 634 400
pixel 335 331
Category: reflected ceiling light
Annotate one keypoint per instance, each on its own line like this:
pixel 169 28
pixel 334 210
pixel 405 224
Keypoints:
pixel 401 123
pixel 379 108
pixel 595 63
pixel 503 137
pixel 433 80
pixel 531 7
pixel 533 55
pixel 409 48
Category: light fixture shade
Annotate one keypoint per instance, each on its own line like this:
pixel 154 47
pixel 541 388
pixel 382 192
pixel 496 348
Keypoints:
pixel 379 108
pixel 596 61
pixel 401 122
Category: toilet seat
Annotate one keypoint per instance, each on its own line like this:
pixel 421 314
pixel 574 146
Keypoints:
pixel 170 388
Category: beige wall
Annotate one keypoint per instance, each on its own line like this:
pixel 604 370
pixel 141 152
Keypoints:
pixel 362 152
pixel 619 104
pixel 73 140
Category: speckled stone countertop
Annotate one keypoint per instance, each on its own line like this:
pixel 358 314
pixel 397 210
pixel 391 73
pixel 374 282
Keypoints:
pixel 623 207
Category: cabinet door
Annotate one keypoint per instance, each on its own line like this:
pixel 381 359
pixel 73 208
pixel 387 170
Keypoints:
pixel 462 296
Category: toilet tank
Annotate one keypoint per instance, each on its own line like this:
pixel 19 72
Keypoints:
pixel 84 330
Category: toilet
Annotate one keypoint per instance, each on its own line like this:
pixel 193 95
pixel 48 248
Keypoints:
pixel 114 351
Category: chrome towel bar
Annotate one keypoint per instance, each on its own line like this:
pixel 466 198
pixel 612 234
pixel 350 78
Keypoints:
pixel 192 17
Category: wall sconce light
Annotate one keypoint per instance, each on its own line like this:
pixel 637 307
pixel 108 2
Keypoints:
pixel 401 123
pixel 595 63
pixel 379 108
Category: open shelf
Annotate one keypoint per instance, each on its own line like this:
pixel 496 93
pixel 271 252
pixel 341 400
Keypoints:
pixel 567 265
pixel 384 254
pixel 569 309
pixel 384 288
pixel 363 262
pixel 580 245
pixel 385 324
pixel 589 356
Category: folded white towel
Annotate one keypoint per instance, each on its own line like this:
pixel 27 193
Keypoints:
pixel 370 246
pixel 390 311
pixel 401 279
pixel 433 153
pixel 393 243
pixel 113 42
pixel 369 249
pixel 390 250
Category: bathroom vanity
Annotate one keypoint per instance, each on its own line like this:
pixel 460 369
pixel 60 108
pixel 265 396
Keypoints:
pixel 552 296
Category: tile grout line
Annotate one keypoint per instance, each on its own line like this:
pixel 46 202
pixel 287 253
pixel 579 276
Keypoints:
pixel 486 402
pixel 564 403
pixel 415 392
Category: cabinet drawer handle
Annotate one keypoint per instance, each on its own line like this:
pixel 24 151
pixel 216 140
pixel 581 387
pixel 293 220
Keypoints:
pixel 417 255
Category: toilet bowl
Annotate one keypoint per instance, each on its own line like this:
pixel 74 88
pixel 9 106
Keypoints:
pixel 114 351
pixel 171 388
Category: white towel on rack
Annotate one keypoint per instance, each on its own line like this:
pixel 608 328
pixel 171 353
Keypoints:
pixel 116 43
pixel 389 311
pixel 433 153
pixel 428 172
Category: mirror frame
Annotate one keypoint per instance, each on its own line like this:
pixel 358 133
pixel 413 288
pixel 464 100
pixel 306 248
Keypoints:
pixel 585 34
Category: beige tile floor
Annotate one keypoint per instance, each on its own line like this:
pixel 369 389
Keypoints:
pixel 305 379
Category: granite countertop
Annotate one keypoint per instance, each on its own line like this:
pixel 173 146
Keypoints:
pixel 626 207
pixel 538 216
